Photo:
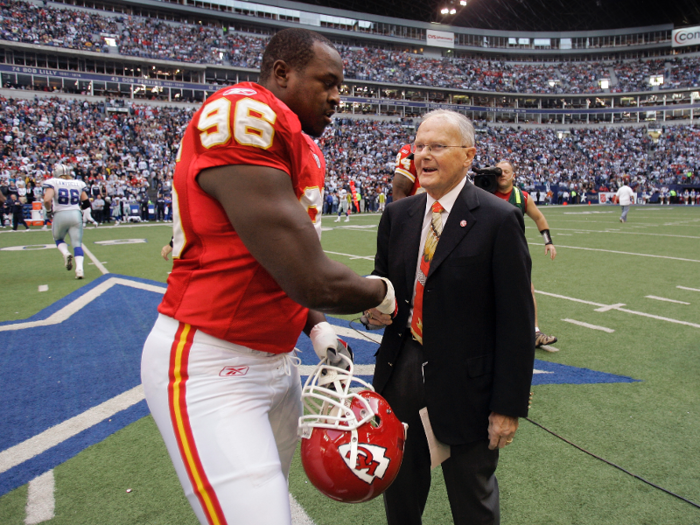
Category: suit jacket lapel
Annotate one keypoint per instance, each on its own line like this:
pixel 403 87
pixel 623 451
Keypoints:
pixel 459 222
pixel 412 231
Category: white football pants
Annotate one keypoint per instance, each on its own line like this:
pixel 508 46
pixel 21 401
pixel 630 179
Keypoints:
pixel 229 416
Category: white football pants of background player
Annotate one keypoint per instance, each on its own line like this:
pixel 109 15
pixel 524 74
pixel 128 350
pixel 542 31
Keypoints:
pixel 229 416
pixel 69 222
pixel 87 217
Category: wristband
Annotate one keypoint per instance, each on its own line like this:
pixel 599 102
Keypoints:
pixel 547 237
pixel 389 305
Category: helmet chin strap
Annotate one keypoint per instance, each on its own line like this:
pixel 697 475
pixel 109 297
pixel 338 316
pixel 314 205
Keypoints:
pixel 353 448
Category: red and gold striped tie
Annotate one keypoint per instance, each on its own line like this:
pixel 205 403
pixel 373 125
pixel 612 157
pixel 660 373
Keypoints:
pixel 428 252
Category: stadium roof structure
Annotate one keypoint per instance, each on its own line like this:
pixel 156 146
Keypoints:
pixel 532 15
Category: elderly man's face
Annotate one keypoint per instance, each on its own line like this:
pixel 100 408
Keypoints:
pixel 440 172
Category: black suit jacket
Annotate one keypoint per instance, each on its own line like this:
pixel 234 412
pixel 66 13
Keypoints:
pixel 478 313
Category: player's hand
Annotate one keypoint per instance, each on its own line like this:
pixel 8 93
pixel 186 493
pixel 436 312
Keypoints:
pixel 373 319
pixel 166 251
pixel 342 348
pixel 501 430
pixel 551 250
pixel 388 306
pixel 49 215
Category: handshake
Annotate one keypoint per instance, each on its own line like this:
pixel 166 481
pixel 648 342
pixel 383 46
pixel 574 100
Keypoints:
pixel 380 316
pixel 329 346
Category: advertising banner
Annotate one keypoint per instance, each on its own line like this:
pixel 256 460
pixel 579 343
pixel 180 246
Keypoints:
pixel 685 37
pixel 440 39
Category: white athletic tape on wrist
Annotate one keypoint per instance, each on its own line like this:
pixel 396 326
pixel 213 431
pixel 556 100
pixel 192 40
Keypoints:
pixel 388 305
pixel 323 337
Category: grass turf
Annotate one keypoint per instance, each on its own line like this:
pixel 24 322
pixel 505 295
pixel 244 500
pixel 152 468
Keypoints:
pixel 647 427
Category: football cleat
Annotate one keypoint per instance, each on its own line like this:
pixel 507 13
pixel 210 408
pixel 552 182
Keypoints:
pixel 69 262
pixel 78 274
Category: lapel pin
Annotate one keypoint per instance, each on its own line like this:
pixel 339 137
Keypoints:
pixel 463 224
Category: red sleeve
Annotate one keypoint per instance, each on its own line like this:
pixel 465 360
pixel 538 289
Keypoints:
pixel 526 199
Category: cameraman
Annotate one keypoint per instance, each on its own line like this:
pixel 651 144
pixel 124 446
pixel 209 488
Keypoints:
pixel 509 192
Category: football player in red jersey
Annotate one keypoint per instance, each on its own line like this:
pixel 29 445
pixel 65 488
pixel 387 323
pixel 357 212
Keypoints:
pixel 249 274
pixel 521 199
pixel 405 182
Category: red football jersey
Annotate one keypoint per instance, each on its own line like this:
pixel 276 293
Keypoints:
pixel 407 168
pixel 216 285
pixel 506 197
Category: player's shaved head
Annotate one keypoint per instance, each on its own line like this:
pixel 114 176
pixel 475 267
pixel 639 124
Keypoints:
pixel 294 47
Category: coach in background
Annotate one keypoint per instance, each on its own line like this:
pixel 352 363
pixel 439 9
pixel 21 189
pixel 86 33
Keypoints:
pixel 625 196
pixel 459 354
pixel 521 200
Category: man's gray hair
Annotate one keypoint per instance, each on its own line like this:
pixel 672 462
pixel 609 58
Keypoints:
pixel 465 126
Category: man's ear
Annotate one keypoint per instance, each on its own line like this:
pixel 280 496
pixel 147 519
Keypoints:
pixel 280 73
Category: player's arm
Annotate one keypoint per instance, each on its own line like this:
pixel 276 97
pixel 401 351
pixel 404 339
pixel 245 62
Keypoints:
pixel 542 226
pixel 261 204
pixel 48 198
pixel 401 186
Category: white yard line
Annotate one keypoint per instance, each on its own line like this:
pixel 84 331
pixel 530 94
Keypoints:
pixel 591 326
pixel 623 253
pixel 95 261
pixel 51 437
pixel 628 233
pixel 689 289
pixel 664 299
pixel 74 307
pixel 618 307
pixel 299 515
pixel 368 258
pixel 41 503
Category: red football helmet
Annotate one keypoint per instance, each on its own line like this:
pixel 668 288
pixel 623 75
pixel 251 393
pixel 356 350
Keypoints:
pixel 352 443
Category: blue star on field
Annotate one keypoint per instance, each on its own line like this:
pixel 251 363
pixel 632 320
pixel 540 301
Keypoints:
pixel 66 367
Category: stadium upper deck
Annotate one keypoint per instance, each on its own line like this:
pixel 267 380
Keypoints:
pixel 146 49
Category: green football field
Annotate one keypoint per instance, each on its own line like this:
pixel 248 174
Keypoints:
pixel 623 299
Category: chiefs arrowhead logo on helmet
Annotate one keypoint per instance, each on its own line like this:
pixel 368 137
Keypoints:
pixel 371 462
pixel 352 442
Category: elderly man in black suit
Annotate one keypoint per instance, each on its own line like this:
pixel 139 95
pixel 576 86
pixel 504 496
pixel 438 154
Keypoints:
pixel 456 361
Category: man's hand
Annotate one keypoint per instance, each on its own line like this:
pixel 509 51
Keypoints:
pixel 551 250
pixel 327 344
pixel 373 319
pixel 166 251
pixel 501 430
pixel 342 348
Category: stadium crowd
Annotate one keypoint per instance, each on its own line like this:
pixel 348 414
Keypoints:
pixel 125 153
pixel 156 39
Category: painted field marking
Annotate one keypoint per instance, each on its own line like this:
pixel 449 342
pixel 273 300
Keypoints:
pixel 41 503
pixel 299 515
pixel 609 307
pixel 95 261
pixel 624 253
pixel 664 299
pixel 74 307
pixel 368 370
pixel 57 434
pixel 351 256
pixel 592 326
pixel 605 308
pixel 689 289
pixel 629 233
